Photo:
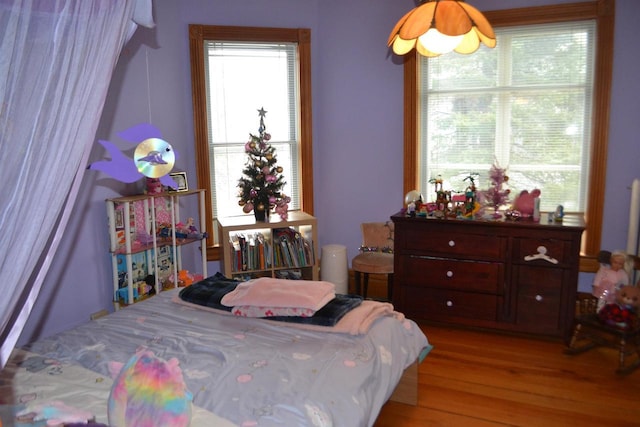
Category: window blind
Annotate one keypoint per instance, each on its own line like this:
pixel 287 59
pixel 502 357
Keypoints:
pixel 241 78
pixel 526 104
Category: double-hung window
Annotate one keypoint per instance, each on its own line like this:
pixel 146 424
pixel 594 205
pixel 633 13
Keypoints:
pixel 237 71
pixel 532 105
pixel 525 104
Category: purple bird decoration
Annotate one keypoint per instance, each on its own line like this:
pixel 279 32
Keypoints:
pixel 153 157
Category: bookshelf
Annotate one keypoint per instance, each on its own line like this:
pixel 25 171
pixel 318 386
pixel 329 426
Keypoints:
pixel 277 248
pixel 145 245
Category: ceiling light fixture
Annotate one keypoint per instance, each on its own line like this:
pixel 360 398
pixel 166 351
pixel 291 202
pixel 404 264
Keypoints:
pixel 441 26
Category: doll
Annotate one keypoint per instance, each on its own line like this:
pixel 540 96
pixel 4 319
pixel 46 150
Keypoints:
pixel 610 277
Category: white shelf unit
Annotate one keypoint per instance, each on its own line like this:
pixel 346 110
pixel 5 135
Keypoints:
pixel 269 261
pixel 137 230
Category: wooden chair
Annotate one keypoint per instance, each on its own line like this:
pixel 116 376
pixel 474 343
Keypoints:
pixel 590 332
pixel 376 255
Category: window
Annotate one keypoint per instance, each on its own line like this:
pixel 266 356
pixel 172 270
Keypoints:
pixel 235 72
pixel 536 104
pixel 526 104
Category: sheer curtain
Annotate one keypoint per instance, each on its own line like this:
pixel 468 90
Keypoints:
pixel 56 62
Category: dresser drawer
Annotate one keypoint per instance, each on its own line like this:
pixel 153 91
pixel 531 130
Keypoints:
pixel 454 274
pixel 443 241
pixel 436 304
pixel 542 251
pixel 539 299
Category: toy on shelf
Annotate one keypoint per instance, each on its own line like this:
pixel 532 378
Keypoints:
pixel 413 201
pixel 189 231
pixel 441 208
pixel 526 206
pixel 164 230
pixel 154 186
pixel 185 278
pixel 468 206
pixel 557 215
pixel 123 294
pixel 497 195
pixel 144 238
pixel 451 204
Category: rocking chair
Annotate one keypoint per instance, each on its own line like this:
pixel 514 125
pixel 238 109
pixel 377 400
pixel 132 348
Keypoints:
pixel 591 332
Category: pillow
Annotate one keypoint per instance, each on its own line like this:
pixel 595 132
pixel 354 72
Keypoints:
pixel 149 391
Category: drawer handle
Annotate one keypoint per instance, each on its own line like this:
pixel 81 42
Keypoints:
pixel 449 273
pixel 449 303
pixel 539 298
pixel 452 243
pixel 542 254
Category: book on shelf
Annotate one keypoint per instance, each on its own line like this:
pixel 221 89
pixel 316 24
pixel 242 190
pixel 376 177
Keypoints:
pixel 254 251
pixel 298 248
pixel 250 251
pixel 261 251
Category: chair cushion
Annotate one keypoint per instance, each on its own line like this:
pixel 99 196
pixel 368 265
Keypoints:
pixel 373 262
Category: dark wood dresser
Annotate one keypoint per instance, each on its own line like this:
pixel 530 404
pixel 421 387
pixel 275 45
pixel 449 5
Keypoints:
pixel 518 276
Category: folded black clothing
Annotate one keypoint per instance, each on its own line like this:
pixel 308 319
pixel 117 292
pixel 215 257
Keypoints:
pixel 209 292
pixel 328 315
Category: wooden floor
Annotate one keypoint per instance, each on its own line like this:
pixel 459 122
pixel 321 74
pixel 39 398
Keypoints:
pixel 483 379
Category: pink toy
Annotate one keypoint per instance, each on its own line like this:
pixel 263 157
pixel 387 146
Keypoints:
pixel 154 186
pixel 525 202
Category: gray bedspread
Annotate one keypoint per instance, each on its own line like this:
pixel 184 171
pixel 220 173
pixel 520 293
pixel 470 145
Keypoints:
pixel 252 372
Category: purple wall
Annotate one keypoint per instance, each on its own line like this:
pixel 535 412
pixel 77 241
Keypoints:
pixel 357 121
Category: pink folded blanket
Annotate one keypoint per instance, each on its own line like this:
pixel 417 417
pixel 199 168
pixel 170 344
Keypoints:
pixel 281 293
pixel 357 321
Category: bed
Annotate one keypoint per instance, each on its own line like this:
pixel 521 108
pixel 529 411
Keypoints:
pixel 240 371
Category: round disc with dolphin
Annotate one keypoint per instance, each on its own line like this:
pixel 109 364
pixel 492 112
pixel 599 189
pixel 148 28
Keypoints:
pixel 154 157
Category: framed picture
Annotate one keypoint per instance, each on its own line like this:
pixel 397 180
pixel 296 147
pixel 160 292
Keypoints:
pixel 181 179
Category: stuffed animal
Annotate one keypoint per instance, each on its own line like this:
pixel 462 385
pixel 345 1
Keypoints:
pixel 525 202
pixel 623 313
pixel 149 391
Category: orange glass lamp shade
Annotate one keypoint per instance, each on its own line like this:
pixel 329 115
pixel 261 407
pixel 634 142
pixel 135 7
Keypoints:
pixel 441 26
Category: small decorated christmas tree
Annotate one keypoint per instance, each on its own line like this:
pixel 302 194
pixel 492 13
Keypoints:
pixel 261 185
pixel 497 195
